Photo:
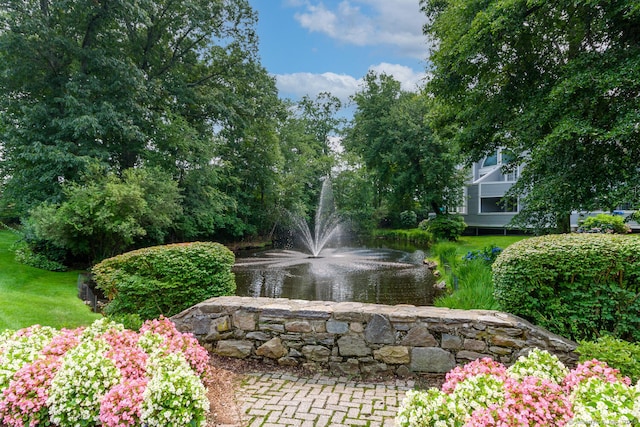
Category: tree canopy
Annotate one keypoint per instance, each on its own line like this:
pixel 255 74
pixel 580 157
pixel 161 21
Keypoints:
pixel 555 82
pixel 411 168
pixel 156 83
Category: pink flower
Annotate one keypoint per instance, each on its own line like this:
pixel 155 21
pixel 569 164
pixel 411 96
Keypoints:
pixel 593 368
pixel 479 366
pixel 24 401
pixel 178 342
pixel 529 402
pixel 122 405
pixel 125 352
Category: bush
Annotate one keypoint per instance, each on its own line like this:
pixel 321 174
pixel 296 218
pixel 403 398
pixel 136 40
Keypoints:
pixel 24 255
pixel 537 390
pixel 604 223
pixel 446 226
pixel 164 280
pixel 576 285
pixel 103 375
pixel 408 219
pixel 107 214
pixel 619 354
pixel 414 235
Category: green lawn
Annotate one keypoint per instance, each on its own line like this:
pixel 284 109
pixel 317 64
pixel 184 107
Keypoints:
pixel 471 243
pixel 31 296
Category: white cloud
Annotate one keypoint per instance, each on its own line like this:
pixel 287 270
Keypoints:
pixel 394 23
pixel 343 86
pixel 409 79
pixel 297 85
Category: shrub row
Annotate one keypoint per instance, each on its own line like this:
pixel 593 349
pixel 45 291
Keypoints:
pixel 164 280
pixel 576 285
pixel 103 375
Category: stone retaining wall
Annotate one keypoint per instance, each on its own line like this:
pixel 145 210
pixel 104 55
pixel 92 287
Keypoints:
pixel 356 338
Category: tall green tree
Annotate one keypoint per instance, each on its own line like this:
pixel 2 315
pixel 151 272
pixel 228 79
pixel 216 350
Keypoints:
pixel 306 134
pixel 131 83
pixel 555 82
pixel 412 168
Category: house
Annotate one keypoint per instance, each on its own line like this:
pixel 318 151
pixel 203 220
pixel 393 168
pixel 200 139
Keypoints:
pixel 485 208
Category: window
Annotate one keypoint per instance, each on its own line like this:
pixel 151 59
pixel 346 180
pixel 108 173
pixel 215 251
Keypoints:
pixel 498 204
pixel 491 160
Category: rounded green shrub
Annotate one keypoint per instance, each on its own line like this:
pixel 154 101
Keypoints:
pixel 408 219
pixel 164 280
pixel 604 223
pixel 446 226
pixel 576 285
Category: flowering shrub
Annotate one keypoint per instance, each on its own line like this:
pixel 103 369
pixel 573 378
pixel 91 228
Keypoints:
pixel 103 375
pixel 538 390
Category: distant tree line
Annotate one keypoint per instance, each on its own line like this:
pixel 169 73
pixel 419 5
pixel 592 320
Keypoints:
pixel 125 123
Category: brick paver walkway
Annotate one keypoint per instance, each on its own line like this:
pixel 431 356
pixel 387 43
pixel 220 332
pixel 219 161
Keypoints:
pixel 276 399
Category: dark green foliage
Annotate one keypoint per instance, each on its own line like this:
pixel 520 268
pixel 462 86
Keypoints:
pixel 618 354
pixel 414 235
pixel 24 255
pixel 160 84
pixel 107 214
pixel 446 226
pixel 604 223
pixel 410 168
pixel 577 285
pixel 408 219
pixel 556 83
pixel 354 196
pixel 164 280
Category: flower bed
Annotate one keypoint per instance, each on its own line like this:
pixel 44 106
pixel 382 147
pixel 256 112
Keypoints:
pixel 103 375
pixel 538 390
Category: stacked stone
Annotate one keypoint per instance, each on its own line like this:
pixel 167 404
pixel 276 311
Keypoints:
pixel 356 338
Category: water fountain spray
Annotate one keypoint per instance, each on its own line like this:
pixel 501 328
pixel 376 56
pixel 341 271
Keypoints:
pixel 327 222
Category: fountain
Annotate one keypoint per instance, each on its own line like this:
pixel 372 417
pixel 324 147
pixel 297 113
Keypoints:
pixel 327 222
pixel 319 271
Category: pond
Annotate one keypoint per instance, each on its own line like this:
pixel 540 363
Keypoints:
pixel 378 273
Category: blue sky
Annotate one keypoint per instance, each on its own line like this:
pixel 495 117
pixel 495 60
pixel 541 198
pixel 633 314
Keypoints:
pixel 314 46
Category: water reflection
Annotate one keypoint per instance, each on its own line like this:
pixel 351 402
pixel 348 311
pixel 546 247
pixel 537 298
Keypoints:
pixel 381 276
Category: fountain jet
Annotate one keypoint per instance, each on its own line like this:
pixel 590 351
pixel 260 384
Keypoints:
pixel 326 226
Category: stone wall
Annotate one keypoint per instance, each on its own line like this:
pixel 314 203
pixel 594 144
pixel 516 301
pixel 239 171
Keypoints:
pixel 356 338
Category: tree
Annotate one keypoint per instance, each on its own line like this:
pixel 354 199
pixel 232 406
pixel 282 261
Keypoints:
pixel 305 133
pixel 108 215
pixel 555 82
pixel 412 169
pixel 154 83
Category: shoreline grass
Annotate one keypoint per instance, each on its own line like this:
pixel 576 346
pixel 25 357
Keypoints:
pixel 469 283
pixel 30 296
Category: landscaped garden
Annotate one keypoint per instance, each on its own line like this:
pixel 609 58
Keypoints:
pixel 39 362
pixel 130 128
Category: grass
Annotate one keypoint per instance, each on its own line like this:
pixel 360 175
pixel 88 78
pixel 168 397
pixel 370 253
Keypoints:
pixel 469 282
pixel 474 243
pixel 31 296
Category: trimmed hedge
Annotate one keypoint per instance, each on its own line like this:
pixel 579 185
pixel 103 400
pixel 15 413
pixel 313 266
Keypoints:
pixel 165 280
pixel 576 285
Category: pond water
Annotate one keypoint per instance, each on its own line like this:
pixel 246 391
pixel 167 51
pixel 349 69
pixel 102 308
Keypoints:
pixel 381 275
